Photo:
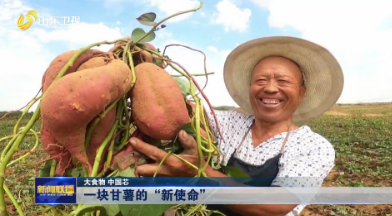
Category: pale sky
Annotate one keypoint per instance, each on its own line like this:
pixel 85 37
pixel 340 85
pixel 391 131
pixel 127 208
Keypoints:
pixel 358 33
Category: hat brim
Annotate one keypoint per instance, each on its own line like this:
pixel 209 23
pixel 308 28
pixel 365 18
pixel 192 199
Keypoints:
pixel 323 75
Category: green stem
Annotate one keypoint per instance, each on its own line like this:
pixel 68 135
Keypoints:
pixel 121 123
pixel 7 137
pixel 15 145
pixel 191 79
pixel 185 161
pixel 101 149
pixel 95 123
pixel 120 110
pixel 8 146
pixel 52 168
pixel 13 200
pixel 193 210
pixel 113 173
pixel 209 143
pixel 28 153
pixel 198 140
pixel 6 159
pixel 62 212
pixel 125 139
pixel 127 127
pixel 126 51
pixel 132 66
pixel 160 163
pixel 109 157
pixel 26 110
pixel 167 18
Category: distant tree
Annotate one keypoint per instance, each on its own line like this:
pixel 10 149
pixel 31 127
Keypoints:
pixel 224 108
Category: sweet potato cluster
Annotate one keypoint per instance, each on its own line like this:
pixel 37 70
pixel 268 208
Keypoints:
pixel 92 83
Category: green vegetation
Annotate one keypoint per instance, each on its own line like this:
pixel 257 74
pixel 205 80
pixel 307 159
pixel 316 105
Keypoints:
pixel 361 134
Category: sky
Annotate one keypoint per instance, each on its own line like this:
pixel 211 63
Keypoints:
pixel 358 33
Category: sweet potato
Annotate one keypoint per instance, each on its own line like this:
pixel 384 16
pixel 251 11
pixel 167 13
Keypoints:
pixel 158 107
pixel 119 44
pixel 94 62
pixel 56 151
pixel 49 143
pixel 102 129
pixel 127 38
pixel 74 100
pixel 58 63
pixel 143 56
pixel 152 57
pixel 98 136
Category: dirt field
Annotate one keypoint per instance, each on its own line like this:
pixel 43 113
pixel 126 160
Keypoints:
pixel 361 134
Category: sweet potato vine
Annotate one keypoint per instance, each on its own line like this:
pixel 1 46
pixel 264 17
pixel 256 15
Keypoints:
pixel 90 105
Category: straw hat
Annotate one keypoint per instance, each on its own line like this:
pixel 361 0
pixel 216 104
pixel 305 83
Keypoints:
pixel 322 73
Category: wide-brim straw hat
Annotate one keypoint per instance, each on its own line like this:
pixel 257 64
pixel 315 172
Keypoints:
pixel 322 73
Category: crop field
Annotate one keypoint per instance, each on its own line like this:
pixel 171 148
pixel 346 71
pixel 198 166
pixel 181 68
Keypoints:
pixel 361 135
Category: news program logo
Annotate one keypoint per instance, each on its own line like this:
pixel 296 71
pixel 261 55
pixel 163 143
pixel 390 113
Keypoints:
pixel 57 190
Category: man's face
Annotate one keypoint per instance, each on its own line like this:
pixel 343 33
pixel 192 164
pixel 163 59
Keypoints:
pixel 276 89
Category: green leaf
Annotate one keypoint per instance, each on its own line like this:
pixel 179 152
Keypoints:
pixel 185 86
pixel 234 172
pixel 144 210
pixel 75 173
pixel 128 172
pixel 91 208
pixel 176 145
pixel 45 171
pixel 214 163
pixel 189 129
pixel 152 141
pixel 112 209
pixel 158 62
pixel 147 19
pixel 138 33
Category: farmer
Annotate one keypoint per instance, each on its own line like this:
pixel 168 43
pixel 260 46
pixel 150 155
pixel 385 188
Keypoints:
pixel 278 81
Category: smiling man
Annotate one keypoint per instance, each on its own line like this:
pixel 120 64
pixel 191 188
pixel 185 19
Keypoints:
pixel 277 81
pixel 276 90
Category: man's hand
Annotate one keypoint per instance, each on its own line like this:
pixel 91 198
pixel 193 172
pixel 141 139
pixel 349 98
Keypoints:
pixel 172 166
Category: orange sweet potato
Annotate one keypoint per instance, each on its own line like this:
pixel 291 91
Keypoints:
pixel 144 56
pixel 55 150
pixel 119 44
pixel 59 62
pixel 94 62
pixel 158 107
pixel 148 57
pixel 76 99
pixel 49 143
pixel 102 129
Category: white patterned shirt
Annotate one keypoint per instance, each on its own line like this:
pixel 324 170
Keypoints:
pixel 306 153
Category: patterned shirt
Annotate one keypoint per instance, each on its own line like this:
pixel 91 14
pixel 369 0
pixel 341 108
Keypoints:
pixel 306 153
